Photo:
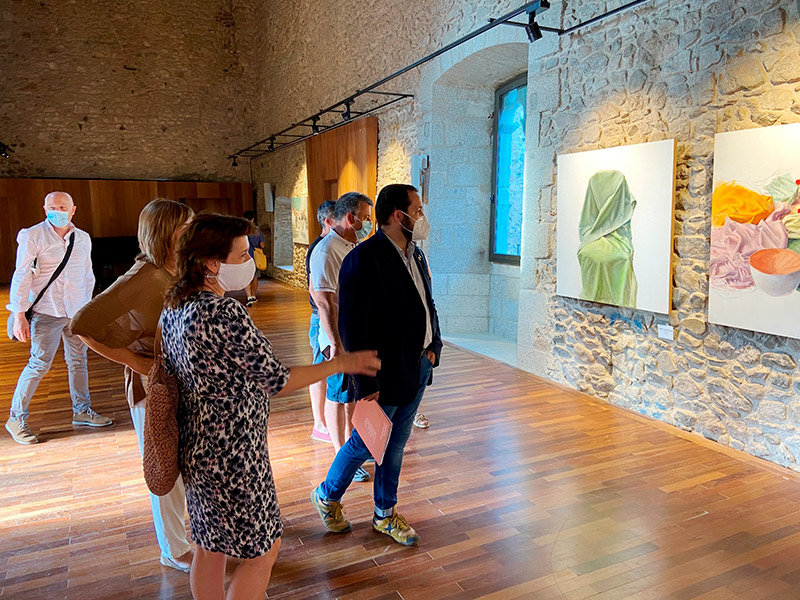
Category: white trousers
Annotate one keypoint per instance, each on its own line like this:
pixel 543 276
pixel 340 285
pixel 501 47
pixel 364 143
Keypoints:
pixel 168 511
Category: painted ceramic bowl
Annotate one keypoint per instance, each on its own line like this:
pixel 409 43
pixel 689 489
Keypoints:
pixel 776 271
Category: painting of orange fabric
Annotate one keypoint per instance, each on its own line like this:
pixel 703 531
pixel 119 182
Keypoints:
pixel 741 204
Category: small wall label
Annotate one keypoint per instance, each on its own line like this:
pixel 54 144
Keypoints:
pixel 666 332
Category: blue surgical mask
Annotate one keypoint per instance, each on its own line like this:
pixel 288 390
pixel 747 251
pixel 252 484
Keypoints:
pixel 58 218
pixel 363 233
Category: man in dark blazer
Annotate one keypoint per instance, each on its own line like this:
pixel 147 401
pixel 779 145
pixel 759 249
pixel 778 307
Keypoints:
pixel 385 304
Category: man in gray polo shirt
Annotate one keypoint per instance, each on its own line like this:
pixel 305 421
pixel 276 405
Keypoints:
pixel 352 223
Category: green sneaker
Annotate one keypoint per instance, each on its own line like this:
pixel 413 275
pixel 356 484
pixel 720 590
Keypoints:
pixel 396 527
pixel 331 513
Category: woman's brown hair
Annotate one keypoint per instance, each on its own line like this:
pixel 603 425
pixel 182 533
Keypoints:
pixel 208 236
pixel 158 221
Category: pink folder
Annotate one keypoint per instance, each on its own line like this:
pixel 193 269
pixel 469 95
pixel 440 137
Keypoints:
pixel 373 426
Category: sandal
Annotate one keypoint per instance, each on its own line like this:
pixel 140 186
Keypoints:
pixel 421 421
pixel 316 434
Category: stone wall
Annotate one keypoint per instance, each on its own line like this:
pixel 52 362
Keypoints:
pixel 286 172
pixel 460 186
pixel 504 301
pixel 684 70
pixel 665 69
pixel 457 97
pixel 127 90
pixel 299 74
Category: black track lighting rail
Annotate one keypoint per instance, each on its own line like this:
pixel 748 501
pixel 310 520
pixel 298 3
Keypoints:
pixel 359 105
pixel 344 111
pixel 532 27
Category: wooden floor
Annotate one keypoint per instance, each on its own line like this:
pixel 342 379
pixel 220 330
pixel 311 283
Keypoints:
pixel 519 489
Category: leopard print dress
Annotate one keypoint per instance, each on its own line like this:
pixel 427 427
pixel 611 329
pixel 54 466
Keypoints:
pixel 226 372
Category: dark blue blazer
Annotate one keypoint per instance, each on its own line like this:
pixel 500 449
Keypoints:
pixel 381 309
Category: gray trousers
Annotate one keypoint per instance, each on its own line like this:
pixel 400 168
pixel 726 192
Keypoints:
pixel 46 332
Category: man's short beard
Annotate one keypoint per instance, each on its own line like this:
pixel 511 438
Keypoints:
pixel 407 231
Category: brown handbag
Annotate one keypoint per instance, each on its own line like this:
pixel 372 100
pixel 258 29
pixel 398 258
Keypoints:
pixel 160 455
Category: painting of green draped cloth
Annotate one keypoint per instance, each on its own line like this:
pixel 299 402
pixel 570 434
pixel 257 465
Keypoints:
pixel 605 253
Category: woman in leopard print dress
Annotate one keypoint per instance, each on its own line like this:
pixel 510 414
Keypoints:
pixel 227 374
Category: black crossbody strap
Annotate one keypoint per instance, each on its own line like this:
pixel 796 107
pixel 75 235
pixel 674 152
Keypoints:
pixel 57 272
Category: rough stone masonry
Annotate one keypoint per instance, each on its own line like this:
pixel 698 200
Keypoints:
pixel 683 70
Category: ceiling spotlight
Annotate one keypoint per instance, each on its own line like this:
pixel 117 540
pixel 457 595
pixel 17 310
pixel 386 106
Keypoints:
pixel 532 30
pixel 534 33
pixel 272 144
pixel 5 151
pixel 347 115
pixel 315 124
pixel 235 164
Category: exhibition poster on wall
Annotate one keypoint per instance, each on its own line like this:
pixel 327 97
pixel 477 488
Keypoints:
pixel 269 200
pixel 754 271
pixel 300 220
pixel 614 234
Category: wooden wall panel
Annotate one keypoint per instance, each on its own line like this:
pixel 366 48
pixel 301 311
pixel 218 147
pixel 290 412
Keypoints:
pixel 116 206
pixel 175 190
pixel 344 160
pixel 106 208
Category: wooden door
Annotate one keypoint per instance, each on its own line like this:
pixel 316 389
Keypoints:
pixel 339 161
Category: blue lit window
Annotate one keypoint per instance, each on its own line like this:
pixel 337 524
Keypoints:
pixel 509 168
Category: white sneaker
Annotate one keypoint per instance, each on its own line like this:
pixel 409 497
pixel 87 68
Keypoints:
pixel 20 431
pixel 168 562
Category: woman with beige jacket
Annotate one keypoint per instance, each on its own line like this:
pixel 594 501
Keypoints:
pixel 120 324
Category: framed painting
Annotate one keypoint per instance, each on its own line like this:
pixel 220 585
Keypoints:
pixel 300 220
pixel 614 232
pixel 754 268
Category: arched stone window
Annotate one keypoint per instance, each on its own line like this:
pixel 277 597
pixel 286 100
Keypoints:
pixel 508 170
pixel 464 133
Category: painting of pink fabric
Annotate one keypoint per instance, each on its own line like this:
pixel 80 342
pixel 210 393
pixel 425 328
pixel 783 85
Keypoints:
pixel 734 243
pixel 754 267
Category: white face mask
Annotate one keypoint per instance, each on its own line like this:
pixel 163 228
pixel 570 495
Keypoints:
pixel 421 228
pixel 232 278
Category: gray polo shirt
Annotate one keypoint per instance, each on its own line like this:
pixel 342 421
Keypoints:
pixel 326 262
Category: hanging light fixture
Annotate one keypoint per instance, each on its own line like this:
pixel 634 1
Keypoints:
pixel 532 29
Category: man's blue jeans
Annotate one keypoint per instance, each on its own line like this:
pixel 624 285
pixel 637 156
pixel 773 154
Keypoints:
pixel 354 453
pixel 313 338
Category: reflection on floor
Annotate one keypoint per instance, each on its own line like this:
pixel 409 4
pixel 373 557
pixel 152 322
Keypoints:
pixel 486 344
pixel 519 490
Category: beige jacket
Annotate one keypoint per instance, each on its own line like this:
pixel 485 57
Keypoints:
pixel 126 316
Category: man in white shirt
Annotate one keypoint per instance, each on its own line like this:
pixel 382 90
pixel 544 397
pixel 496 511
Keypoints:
pixel 351 224
pixel 40 249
